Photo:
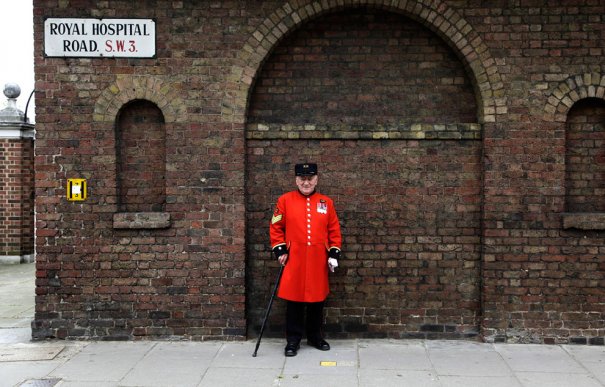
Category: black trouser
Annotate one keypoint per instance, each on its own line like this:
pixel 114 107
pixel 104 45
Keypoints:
pixel 295 320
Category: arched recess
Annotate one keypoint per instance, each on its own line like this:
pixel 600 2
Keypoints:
pixel 585 156
pixel 435 15
pixel 570 93
pixel 417 275
pixel 141 157
pixel 164 95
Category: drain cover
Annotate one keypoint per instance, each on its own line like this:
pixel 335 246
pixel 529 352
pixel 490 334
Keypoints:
pixel 40 383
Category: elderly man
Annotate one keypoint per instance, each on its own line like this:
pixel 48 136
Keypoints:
pixel 305 236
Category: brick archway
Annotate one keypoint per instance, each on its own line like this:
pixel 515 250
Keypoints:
pixel 437 16
pixel 128 88
pixel 570 91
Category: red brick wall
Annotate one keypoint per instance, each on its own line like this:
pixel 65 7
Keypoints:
pixel 466 106
pixel 542 282
pixel 410 217
pixel 16 197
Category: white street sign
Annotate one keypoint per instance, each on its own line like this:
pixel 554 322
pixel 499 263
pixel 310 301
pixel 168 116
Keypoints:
pixel 116 38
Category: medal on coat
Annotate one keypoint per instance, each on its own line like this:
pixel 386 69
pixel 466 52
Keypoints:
pixel 322 207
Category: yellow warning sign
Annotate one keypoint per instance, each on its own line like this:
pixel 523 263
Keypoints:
pixel 76 189
pixel 327 363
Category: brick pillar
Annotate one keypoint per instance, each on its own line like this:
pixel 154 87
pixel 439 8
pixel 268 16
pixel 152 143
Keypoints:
pixel 16 182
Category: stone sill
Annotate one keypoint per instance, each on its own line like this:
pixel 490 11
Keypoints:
pixel 455 131
pixel 141 220
pixel 584 220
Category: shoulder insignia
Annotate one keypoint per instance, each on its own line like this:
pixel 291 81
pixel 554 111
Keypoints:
pixel 276 218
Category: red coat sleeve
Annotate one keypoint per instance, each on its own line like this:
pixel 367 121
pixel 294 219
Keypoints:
pixel 334 235
pixel 277 229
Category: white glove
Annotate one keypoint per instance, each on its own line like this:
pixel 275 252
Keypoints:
pixel 332 264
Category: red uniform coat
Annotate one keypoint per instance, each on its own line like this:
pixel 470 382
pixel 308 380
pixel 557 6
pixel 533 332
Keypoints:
pixel 309 227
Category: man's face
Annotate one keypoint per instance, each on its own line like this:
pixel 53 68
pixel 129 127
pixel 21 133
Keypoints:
pixel 306 184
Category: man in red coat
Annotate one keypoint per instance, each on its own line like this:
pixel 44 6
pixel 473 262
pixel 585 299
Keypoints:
pixel 305 236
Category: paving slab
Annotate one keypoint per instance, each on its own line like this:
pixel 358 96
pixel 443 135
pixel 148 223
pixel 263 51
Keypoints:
pixel 398 378
pixel 541 379
pixel 318 380
pixel 172 364
pixel 590 357
pixel 460 358
pixel 480 381
pixel 239 377
pixel 103 361
pixel 394 355
pixel 239 355
pixel 538 358
pixel 67 383
pixel 29 352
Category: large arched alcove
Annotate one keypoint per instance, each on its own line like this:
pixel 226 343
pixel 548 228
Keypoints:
pixel 389 112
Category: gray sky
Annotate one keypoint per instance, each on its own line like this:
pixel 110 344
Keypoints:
pixel 17 47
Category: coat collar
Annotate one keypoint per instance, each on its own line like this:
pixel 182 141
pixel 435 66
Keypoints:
pixel 306 196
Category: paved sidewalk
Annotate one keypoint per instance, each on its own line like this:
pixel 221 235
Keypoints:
pixel 381 363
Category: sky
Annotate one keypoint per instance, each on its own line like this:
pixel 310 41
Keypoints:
pixel 17 48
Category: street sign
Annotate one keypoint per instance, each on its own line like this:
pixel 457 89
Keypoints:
pixel 96 38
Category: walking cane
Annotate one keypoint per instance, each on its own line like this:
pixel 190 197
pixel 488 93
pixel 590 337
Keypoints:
pixel 262 329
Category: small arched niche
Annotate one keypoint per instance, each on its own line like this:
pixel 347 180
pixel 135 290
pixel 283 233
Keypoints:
pixel 141 166
pixel 585 165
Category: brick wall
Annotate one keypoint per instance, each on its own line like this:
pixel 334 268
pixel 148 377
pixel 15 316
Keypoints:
pixel 541 280
pixel 16 197
pixel 443 131
pixel 410 217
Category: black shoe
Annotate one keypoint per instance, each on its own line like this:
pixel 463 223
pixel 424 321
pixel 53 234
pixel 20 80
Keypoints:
pixel 291 348
pixel 320 344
